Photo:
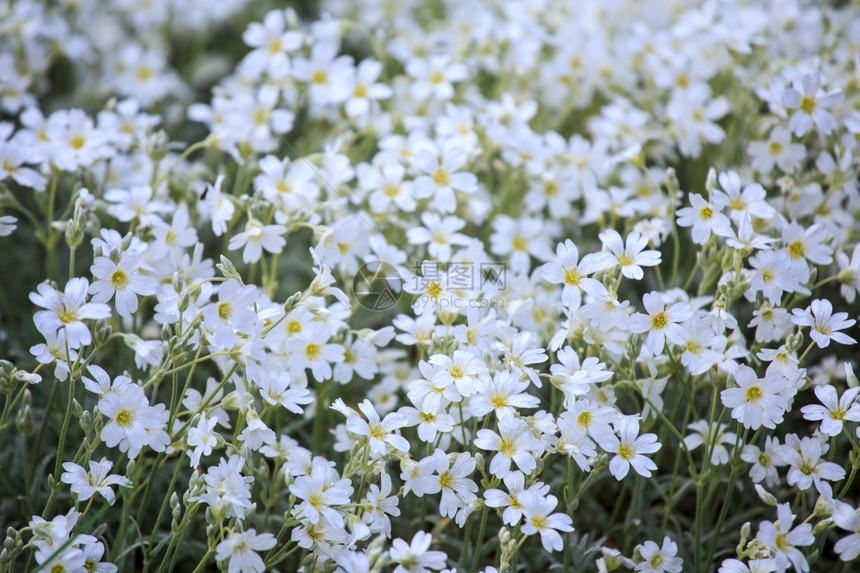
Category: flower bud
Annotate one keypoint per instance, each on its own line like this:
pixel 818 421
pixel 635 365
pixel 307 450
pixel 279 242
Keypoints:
pixel 822 526
pixel 850 377
pixel 74 233
pixel 711 180
pixel 24 420
pixel 229 270
pixel 765 496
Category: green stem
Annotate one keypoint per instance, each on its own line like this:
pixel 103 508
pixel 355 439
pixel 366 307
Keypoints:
pixel 203 561
pixel 64 430
pixel 480 539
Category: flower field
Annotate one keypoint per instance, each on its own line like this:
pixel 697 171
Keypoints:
pixel 413 286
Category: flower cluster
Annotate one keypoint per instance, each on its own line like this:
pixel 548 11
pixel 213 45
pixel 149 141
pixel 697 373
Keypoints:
pixel 450 286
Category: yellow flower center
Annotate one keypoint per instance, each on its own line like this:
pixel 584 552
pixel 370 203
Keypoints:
pixel 507 448
pixel 584 419
pixel 313 351
pixel 67 316
pixel 434 289
pixel 319 77
pixel 124 418
pixel 77 141
pixel 225 310
pixel 498 401
pixel 446 480
pixel 807 105
pixel 796 250
pixel 706 213
pixel 659 321
pixel 119 279
pixel 625 451
pixel 441 178
pixel 377 432
pixel 753 394
pixel 572 277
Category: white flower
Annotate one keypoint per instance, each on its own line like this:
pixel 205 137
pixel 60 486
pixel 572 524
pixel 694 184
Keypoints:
pixel 202 438
pixel 573 273
pixel 505 394
pixel 379 433
pixel 705 218
pixel 97 480
pixel 219 206
pixel 8 224
pixel 713 439
pixel 438 234
pixel 807 467
pixel 784 541
pixel 629 447
pixel 123 279
pixel 434 77
pixel 382 504
pixel 835 410
pixel 514 443
pixel 660 323
pixel 258 237
pixel 632 256
pixel 657 559
pixel 131 422
pixel 441 176
pixel 755 402
pixel 538 518
pixel 414 557
pixel 67 311
pixel 461 370
pixel 241 549
pixel 825 325
pixel 810 101
pixel 451 479
pixel 320 491
pixel 847 518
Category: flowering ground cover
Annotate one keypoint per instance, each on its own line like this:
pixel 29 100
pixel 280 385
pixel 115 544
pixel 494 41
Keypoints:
pixel 409 286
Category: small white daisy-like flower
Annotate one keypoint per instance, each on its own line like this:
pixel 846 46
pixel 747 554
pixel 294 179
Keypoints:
pixel 659 559
pixel 97 480
pixel 825 325
pixel 241 551
pixel 629 255
pixel 810 102
pixel 629 447
pixel 122 278
pixel 660 323
pixel 833 410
